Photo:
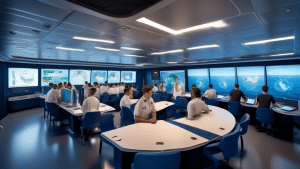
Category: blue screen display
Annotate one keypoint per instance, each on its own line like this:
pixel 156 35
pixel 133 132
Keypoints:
pixel 223 79
pixel 66 95
pixel 199 77
pixel 283 81
pixel 251 80
pixel 99 76
pixel 168 78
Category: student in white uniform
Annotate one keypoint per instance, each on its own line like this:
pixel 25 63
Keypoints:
pixel 162 87
pixel 130 93
pixel 114 90
pixel 98 92
pixel 105 88
pixel 155 89
pixel 53 96
pixel 145 106
pixel 90 104
pixel 50 85
pixel 196 106
pixel 85 89
pixel 125 101
pixel 211 93
pixel 65 85
pixel 122 87
pixel 60 87
pixel 178 89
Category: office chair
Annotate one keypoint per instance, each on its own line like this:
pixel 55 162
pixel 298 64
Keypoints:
pixel 90 121
pixel 127 116
pixel 157 160
pixel 156 97
pixel 113 100
pixel 266 117
pixel 235 109
pixel 120 96
pixel 107 124
pixel 54 112
pixel 228 146
pixel 213 102
pixel 161 95
pixel 180 103
pixel 244 122
pixel 104 98
pixel 132 106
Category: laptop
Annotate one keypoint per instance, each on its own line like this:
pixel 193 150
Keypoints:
pixel 220 97
pixel 288 108
pixel 250 101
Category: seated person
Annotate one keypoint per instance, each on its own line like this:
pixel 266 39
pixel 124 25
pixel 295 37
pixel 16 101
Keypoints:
pixel 114 90
pixel 60 87
pixel 162 87
pixel 211 93
pixel 53 96
pixel 65 85
pixel 236 94
pixel 50 85
pixel 145 106
pixel 194 86
pixel 90 104
pixel 196 106
pixel 131 91
pixel 264 100
pixel 125 101
pixel 122 87
pixel 155 89
pixel 98 92
pixel 85 89
pixel 105 88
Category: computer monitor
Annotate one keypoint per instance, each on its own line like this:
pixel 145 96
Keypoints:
pixel 74 97
pixel 45 90
pixel 66 95
pixel 288 108
pixel 250 101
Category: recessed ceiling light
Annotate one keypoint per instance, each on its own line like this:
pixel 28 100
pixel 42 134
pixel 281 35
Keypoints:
pixel 203 47
pixel 270 40
pixel 134 55
pixel 73 49
pixel 216 24
pixel 93 40
pixel 172 62
pixel 170 51
pixel 288 11
pixel 107 49
pixel 127 48
pixel 191 62
pixel 282 54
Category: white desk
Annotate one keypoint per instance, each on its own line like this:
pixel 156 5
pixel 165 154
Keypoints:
pixel 77 112
pixel 133 101
pixel 162 105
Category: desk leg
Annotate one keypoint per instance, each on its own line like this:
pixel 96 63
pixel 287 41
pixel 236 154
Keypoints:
pixel 74 123
pixel 123 160
pixel 283 126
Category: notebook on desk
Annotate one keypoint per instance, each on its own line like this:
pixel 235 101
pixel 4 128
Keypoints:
pixel 288 108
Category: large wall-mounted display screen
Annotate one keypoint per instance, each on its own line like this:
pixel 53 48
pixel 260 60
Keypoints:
pixel 54 76
pixel 22 77
pixel 199 77
pixel 99 76
pixel 78 77
pixel 168 77
pixel 283 81
pixel 222 79
pixel 251 80
pixel 128 76
pixel 113 77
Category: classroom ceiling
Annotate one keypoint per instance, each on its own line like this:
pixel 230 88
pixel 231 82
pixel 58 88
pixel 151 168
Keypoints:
pixel 32 30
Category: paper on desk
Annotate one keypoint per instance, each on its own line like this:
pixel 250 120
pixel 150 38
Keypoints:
pixel 77 111
pixel 106 109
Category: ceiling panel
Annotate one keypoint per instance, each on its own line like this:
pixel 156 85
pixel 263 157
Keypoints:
pixel 245 6
pixel 105 26
pixel 82 19
pixel 272 35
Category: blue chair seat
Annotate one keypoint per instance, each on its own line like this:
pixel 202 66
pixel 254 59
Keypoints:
pixel 104 98
pixel 107 124
pixel 127 116
pixel 244 125
pixel 266 117
pixel 213 102
pixel 156 97
pixel 235 109
pixel 90 121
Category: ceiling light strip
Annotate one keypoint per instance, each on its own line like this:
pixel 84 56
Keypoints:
pixel 128 48
pixel 171 51
pixel 282 54
pixel 270 40
pixel 134 55
pixel 93 40
pixel 109 49
pixel 73 49
pixel 203 47
pixel 172 62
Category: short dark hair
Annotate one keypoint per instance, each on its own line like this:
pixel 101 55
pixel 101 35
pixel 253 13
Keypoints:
pixel 127 86
pixel 123 83
pixel 265 88
pixel 51 84
pixel 69 84
pixel 194 85
pixel 197 92
pixel 210 86
pixel 147 88
pixel 54 86
pixel 236 85
pixel 126 90
pixel 65 83
pixel 93 91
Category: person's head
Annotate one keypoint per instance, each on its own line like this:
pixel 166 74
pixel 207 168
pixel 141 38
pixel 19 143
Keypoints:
pixel 154 83
pixel 127 91
pixel 65 84
pixel 105 83
pixel 147 91
pixel 116 84
pixel 210 86
pixel 194 86
pixel 51 85
pixel 196 93
pixel 123 84
pixel 86 82
pixel 69 84
pixel 89 85
pixel 60 85
pixel 95 84
pixel 176 80
pixel 237 86
pixel 92 91
pixel 54 86
pixel 265 88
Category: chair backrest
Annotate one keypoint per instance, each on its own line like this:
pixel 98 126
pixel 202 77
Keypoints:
pixel 161 95
pixel 213 102
pixel 121 95
pixel 81 96
pixel 107 122
pixel 181 102
pixel 136 94
pixel 234 108
pixel 113 97
pixel 127 114
pixel 229 143
pixel 132 106
pixel 91 120
pixel 244 123
pixel 265 116
pixel 157 160
pixel 104 98
pixel 52 109
pixel 156 97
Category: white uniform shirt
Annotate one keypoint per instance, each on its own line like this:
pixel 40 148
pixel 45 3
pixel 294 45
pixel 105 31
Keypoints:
pixel 52 96
pixel 196 107
pixel 162 87
pixel 144 107
pixel 178 92
pixel 90 104
pixel 114 90
pixel 155 89
pixel 125 101
pixel 98 93
pixel 85 90
pixel 210 94
pixel 104 89
pixel 121 89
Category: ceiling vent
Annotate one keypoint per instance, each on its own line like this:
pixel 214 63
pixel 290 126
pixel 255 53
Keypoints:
pixel 46 25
